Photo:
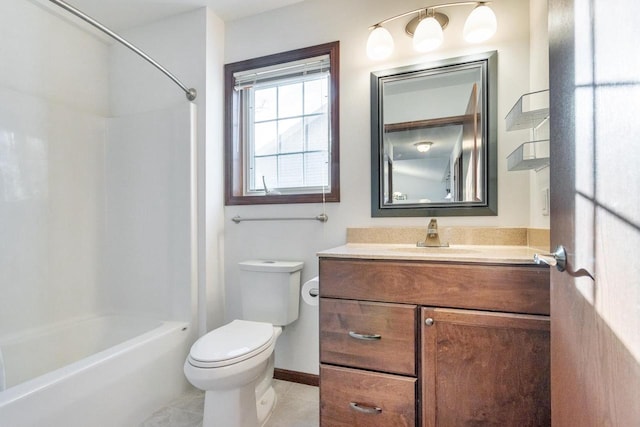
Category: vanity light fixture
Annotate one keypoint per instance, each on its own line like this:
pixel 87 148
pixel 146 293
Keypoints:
pixel 423 146
pixel 427 26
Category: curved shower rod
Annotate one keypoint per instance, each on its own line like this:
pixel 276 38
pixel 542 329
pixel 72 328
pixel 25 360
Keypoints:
pixel 190 92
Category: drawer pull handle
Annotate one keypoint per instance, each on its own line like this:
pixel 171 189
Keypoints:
pixel 373 410
pixel 367 337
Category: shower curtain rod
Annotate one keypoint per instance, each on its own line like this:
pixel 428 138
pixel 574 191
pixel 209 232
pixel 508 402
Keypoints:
pixel 190 92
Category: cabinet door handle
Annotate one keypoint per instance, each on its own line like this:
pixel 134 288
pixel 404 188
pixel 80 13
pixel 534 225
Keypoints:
pixel 367 337
pixel 373 410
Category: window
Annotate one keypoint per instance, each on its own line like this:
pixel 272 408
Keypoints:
pixel 281 128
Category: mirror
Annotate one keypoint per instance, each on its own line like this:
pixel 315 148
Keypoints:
pixel 434 138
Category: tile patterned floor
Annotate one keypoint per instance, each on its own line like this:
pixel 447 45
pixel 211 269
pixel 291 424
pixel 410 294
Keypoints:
pixel 297 407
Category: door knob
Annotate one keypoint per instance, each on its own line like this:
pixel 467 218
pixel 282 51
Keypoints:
pixel 557 258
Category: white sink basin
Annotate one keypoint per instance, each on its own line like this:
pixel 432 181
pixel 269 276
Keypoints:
pixel 444 250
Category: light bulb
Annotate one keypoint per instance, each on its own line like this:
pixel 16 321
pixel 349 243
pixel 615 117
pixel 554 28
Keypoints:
pixel 423 147
pixel 481 24
pixel 379 44
pixel 428 35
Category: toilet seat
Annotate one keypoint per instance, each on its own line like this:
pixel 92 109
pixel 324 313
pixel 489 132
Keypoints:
pixel 231 344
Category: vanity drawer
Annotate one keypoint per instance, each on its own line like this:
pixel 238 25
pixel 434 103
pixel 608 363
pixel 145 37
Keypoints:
pixel 350 397
pixel 369 335
pixel 505 288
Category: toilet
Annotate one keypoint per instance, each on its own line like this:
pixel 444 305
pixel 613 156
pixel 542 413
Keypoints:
pixel 233 364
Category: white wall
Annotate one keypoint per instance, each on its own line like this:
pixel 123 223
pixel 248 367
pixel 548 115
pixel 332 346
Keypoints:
pixel 539 80
pixel 53 99
pixel 213 302
pixel 45 56
pixel 320 21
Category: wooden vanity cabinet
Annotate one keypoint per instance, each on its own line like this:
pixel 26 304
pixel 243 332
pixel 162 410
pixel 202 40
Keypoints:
pixel 445 344
pixel 484 368
pixel 369 372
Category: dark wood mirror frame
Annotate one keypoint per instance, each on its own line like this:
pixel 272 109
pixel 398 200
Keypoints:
pixel 489 206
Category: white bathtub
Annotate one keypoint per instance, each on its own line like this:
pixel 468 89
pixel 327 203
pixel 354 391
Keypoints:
pixel 103 371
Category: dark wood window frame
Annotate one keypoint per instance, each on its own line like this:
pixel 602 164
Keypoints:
pixel 233 145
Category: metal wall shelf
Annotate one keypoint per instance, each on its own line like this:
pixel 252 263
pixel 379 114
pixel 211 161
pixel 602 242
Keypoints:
pixel 519 118
pixel 530 155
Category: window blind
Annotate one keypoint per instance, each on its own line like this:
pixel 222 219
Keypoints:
pixel 265 75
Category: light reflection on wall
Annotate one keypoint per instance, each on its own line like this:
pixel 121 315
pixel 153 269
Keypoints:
pixel 23 167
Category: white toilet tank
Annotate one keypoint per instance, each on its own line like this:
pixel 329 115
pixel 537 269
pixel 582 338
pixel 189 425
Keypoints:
pixel 270 291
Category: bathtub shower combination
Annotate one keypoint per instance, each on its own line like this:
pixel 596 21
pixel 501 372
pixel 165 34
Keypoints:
pixel 90 371
pixel 97 230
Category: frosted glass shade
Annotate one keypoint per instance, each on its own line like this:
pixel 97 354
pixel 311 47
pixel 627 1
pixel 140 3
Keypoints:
pixel 428 35
pixel 481 25
pixel 379 44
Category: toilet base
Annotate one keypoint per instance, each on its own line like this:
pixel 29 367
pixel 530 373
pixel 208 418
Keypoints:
pixel 250 405
pixel 265 406
pixel 238 407
pixel 230 408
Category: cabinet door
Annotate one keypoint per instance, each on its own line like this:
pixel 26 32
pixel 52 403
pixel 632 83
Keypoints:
pixel 485 368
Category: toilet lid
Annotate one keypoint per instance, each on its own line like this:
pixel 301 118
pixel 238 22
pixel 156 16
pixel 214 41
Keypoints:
pixel 231 343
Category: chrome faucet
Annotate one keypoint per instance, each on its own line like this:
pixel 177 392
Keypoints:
pixel 433 239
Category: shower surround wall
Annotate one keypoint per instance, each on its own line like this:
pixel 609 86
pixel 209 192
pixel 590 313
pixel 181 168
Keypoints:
pixel 53 100
pixel 90 205
pixel 148 254
pixel 97 213
pixel 51 200
pixel 191 46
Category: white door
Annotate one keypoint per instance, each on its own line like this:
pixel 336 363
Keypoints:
pixel 595 173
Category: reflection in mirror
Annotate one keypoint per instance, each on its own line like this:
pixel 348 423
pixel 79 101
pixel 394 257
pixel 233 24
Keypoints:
pixel 433 139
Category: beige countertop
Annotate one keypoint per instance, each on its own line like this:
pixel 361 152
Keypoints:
pixel 494 254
